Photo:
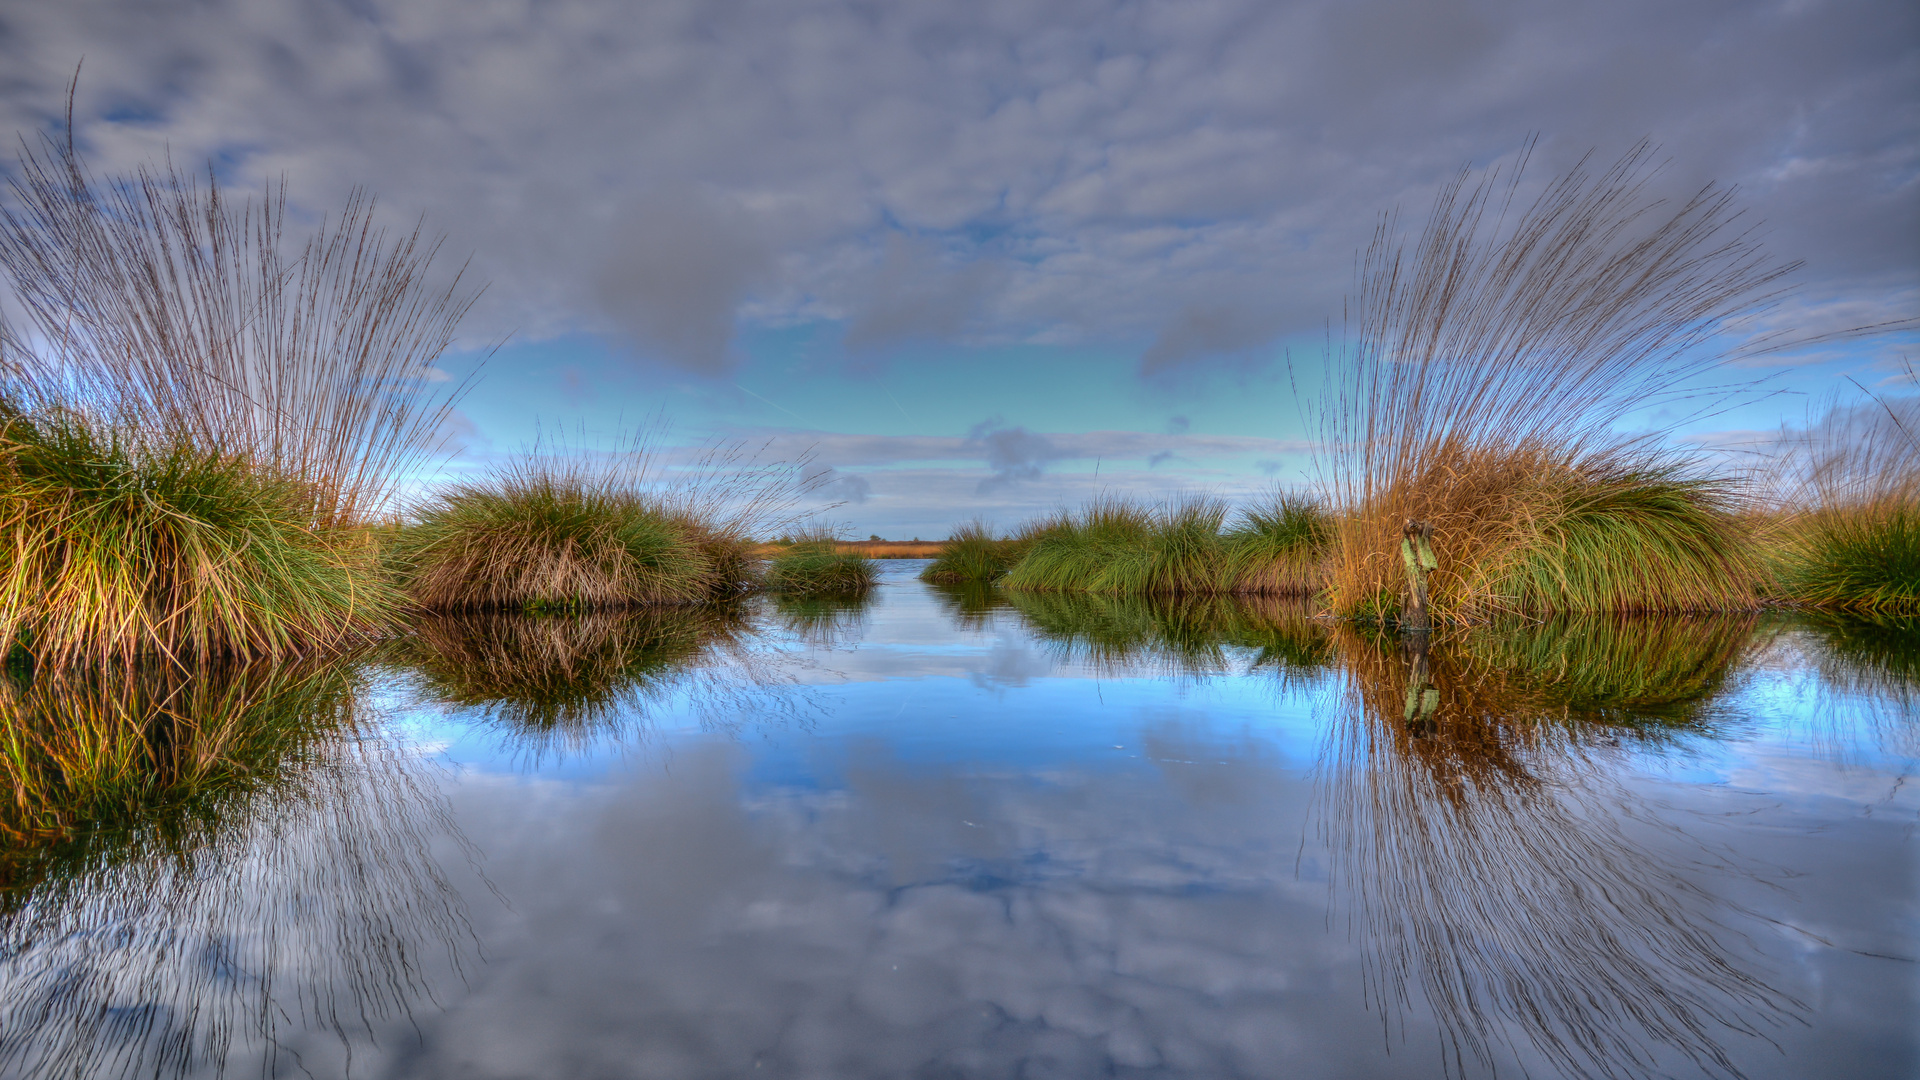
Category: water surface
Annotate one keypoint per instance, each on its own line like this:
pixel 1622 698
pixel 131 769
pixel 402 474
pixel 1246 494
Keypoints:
pixel 946 834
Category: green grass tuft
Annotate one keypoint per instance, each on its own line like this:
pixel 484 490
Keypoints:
pixel 1863 558
pixel 972 555
pixel 812 567
pixel 540 539
pixel 127 546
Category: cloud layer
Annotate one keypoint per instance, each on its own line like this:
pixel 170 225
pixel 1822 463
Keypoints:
pixel 1187 180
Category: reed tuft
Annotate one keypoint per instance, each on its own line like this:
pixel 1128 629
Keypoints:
pixel 1487 383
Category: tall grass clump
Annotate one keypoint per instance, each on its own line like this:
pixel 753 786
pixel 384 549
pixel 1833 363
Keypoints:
pixel 198 418
pixel 1851 535
pixel 1493 365
pixel 1278 547
pixel 1116 545
pixel 1184 548
pixel 126 545
pixel 815 566
pixel 566 529
pixel 973 555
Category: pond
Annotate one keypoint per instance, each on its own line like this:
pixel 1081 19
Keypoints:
pixel 953 834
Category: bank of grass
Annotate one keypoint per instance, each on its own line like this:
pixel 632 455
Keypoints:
pixel 813 566
pixel 126 543
pixel 1120 547
pixel 1179 635
pixel 541 537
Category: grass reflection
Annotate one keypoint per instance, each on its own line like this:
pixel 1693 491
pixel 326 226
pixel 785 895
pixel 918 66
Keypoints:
pixel 1496 865
pixel 556 685
pixel 822 620
pixel 1176 635
pixel 201 863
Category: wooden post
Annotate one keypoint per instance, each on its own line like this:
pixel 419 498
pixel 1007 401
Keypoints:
pixel 1416 551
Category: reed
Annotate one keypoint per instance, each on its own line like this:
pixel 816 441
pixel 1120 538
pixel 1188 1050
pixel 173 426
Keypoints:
pixel 1489 376
pixel 98 750
pixel 268 864
pixel 1492 867
pixel 815 567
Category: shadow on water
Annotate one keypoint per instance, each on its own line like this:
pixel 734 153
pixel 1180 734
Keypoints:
pixel 201 863
pixel 1495 865
pixel 1178 636
pixel 552 686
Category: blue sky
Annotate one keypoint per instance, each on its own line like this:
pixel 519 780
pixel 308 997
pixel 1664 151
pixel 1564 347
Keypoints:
pixel 985 259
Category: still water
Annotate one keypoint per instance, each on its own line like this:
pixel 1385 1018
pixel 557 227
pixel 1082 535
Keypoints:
pixel 944 834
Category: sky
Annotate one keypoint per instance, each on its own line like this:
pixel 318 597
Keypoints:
pixel 984 259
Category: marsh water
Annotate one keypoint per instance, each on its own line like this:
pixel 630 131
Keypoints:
pixel 957 834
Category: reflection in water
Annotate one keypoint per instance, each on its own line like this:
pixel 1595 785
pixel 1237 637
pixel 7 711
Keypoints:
pixel 1496 864
pixel 557 685
pixel 1181 636
pixel 1869 676
pixel 969 605
pixel 272 874
pixel 823 620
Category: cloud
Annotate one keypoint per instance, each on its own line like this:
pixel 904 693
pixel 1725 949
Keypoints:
pixel 1160 458
pixel 1013 453
pixel 1208 330
pixel 916 294
pixel 680 263
pixel 1184 182
pixel 837 486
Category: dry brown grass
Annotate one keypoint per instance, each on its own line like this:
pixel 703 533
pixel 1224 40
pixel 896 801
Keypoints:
pixel 1491 371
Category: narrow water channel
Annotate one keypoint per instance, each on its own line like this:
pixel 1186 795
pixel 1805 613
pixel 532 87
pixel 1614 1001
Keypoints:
pixel 952 834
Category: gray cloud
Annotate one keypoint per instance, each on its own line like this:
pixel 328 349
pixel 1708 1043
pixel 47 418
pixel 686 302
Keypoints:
pixel 916 294
pixel 1013 453
pixel 679 265
pixel 1187 179
pixel 838 486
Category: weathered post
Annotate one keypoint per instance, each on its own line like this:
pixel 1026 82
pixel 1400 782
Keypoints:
pixel 1416 551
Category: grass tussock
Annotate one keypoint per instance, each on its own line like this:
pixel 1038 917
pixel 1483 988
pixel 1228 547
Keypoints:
pixel 1850 534
pixel 815 567
pixel 973 555
pixel 569 531
pixel 1119 547
pixel 1495 869
pixel 198 418
pixel 1492 367
pixel 126 546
